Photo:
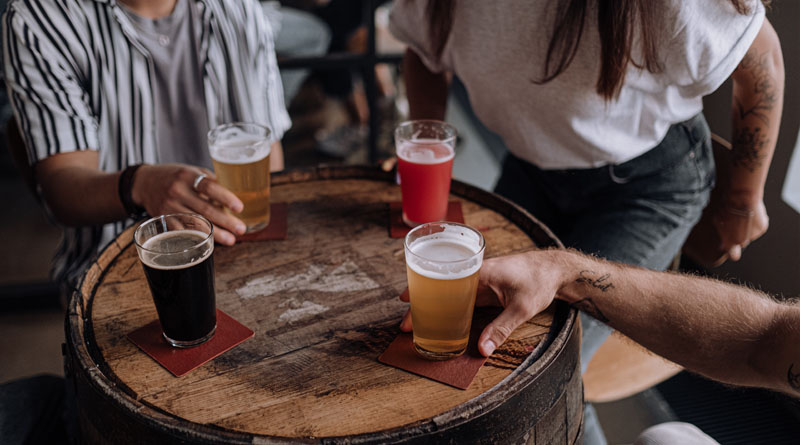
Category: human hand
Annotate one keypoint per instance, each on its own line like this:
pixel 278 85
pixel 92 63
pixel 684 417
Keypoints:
pixel 524 284
pixel 738 228
pixel 169 188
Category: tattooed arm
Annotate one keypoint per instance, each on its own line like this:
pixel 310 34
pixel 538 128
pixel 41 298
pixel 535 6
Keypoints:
pixel 728 333
pixel 737 210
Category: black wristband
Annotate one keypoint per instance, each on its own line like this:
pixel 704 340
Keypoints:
pixel 125 188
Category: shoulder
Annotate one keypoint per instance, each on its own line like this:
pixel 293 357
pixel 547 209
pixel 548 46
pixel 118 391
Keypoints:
pixel 244 17
pixel 48 21
pixel 707 16
pixel 238 12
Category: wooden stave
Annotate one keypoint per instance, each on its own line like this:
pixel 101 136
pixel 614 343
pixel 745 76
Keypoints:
pixel 80 356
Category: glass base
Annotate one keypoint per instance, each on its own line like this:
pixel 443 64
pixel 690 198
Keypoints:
pixel 190 343
pixel 257 227
pixel 438 355
pixel 408 222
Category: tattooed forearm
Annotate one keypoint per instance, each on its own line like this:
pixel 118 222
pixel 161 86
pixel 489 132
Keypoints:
pixel 748 148
pixel 766 96
pixel 793 379
pixel 753 118
pixel 588 305
pixel 597 281
pixel 602 282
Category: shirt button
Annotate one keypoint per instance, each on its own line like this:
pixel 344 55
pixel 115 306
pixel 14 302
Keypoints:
pixel 163 40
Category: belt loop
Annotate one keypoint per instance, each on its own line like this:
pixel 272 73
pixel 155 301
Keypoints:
pixel 614 177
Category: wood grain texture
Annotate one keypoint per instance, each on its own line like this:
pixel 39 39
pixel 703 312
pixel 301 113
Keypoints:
pixel 323 305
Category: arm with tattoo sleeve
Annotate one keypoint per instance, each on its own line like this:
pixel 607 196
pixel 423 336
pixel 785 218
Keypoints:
pixel 737 210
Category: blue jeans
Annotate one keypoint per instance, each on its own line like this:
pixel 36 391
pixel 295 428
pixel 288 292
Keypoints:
pixel 300 34
pixel 638 212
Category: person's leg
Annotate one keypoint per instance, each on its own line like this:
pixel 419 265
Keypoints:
pixel 32 411
pixel 300 34
pixel 642 216
pixel 644 213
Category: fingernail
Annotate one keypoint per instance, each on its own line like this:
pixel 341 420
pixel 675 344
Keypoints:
pixel 489 346
pixel 241 228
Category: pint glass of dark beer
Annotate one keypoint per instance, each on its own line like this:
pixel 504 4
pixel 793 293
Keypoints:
pixel 176 252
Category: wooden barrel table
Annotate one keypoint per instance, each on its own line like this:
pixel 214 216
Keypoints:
pixel 324 305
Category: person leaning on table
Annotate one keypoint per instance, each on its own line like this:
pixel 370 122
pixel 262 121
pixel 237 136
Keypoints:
pixel 599 104
pixel 114 99
pixel 725 332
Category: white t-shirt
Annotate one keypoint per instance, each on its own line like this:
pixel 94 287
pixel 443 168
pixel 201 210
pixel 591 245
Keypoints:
pixel 498 48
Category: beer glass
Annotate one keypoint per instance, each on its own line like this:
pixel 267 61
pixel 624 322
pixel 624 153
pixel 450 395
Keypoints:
pixel 443 260
pixel 176 254
pixel 240 153
pixel 425 151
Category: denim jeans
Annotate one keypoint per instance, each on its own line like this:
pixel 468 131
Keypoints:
pixel 299 34
pixel 638 212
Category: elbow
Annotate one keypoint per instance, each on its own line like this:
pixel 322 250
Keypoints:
pixel 763 64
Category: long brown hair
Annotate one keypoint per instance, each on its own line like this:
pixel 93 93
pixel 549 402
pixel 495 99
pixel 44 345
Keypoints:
pixel 617 21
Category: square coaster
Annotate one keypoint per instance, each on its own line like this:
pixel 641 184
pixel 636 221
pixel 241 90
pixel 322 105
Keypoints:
pixel 399 229
pixel 180 361
pixel 276 230
pixel 458 372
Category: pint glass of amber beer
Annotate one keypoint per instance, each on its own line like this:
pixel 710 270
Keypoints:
pixel 240 153
pixel 176 252
pixel 443 260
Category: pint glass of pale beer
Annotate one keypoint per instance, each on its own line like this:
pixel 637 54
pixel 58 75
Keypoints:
pixel 425 152
pixel 443 260
pixel 176 252
pixel 240 153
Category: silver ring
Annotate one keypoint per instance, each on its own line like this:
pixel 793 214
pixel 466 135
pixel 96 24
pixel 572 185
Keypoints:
pixel 198 180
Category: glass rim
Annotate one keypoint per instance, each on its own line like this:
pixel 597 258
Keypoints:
pixel 482 243
pixel 163 217
pixel 409 123
pixel 214 133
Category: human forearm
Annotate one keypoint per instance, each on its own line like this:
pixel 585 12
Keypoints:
pixel 426 91
pixel 758 87
pixel 76 192
pixel 726 332
pixel 276 157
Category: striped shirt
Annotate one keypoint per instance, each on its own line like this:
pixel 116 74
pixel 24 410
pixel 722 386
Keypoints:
pixel 79 78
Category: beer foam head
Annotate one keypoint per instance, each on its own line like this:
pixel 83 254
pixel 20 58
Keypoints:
pixel 425 151
pixel 448 255
pixel 240 149
pixel 176 249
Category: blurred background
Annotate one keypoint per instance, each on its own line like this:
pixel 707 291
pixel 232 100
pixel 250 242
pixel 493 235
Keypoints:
pixel 345 95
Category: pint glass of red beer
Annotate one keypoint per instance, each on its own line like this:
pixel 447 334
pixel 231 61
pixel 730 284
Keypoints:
pixel 425 151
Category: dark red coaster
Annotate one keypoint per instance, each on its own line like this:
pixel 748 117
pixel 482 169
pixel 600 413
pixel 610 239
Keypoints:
pixel 458 372
pixel 399 229
pixel 276 230
pixel 180 361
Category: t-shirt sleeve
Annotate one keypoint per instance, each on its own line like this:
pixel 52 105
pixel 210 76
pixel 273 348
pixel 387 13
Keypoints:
pixel 45 92
pixel 408 22
pixel 710 40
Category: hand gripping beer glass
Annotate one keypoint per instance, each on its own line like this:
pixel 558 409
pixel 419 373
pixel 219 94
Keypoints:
pixel 176 252
pixel 240 153
pixel 425 151
pixel 443 260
